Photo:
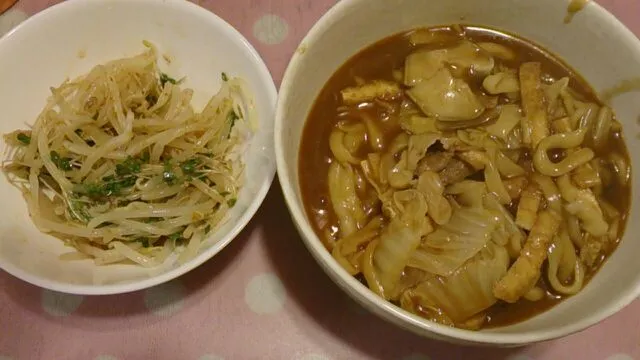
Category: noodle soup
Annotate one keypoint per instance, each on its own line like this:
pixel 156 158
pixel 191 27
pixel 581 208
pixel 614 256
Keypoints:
pixel 465 175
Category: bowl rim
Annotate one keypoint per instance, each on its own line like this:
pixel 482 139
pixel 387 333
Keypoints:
pixel 353 287
pixel 244 219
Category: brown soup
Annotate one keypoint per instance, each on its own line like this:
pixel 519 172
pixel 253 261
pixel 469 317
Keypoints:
pixel 465 174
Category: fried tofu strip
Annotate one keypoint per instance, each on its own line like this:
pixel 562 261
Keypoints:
pixel 515 186
pixel 528 206
pixel 535 124
pixel 585 176
pixel 525 271
pixel 379 89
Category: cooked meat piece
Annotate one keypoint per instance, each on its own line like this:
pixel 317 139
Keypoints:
pixel 456 170
pixel 530 201
pixel 434 161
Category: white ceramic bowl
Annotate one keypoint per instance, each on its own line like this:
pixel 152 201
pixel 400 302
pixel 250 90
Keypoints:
pixel 45 50
pixel 594 43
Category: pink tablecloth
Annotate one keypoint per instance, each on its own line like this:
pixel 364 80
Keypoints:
pixel 263 297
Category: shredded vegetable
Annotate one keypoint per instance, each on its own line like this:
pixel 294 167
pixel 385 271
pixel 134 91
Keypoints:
pixel 121 167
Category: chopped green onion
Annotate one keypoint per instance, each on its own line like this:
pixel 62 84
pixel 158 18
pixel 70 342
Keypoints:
pixel 232 117
pixel 151 99
pixel 128 167
pixel 23 138
pixel 168 175
pixel 164 78
pixel 146 156
pixel 62 163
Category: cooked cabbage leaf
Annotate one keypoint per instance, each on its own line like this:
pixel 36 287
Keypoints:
pixel 447 248
pixel 468 290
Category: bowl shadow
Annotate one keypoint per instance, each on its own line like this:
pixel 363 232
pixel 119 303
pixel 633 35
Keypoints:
pixel 321 300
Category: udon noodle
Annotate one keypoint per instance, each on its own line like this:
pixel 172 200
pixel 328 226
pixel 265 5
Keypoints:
pixel 120 166
pixel 462 177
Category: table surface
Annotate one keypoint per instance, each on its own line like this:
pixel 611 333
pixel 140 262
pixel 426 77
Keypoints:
pixel 263 297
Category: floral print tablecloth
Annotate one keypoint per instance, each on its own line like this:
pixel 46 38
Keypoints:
pixel 263 297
